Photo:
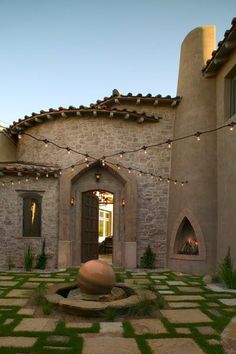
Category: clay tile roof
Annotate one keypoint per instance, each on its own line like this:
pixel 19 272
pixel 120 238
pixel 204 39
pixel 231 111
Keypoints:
pixel 117 98
pixel 221 54
pixel 96 111
pixel 18 168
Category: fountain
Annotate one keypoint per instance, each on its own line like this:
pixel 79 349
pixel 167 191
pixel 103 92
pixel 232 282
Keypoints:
pixel 95 291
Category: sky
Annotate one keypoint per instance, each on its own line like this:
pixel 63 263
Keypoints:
pixel 73 52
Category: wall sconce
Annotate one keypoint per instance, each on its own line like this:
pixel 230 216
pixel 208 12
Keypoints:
pixel 98 176
pixel 123 202
pixel 72 201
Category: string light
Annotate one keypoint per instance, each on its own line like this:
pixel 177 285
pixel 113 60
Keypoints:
pixel 231 126
pixel 46 175
pixel 86 158
pixel 169 143
pixel 144 148
pixel 72 168
pixel 68 150
pixel 129 170
pixel 121 154
pixel 103 161
pixel 19 136
pixel 46 143
pixel 198 135
pixel 118 166
pixel 87 164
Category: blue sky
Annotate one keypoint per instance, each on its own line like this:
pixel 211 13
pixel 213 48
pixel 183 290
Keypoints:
pixel 72 52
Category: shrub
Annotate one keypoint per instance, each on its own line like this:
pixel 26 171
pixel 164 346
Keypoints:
pixel 148 258
pixel 10 263
pixel 28 259
pixel 227 273
pixel 42 258
pixel 109 314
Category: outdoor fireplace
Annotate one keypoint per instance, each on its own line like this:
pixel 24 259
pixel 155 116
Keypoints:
pixel 186 242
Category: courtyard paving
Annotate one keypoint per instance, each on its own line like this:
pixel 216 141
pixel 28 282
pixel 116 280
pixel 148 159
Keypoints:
pixel 189 318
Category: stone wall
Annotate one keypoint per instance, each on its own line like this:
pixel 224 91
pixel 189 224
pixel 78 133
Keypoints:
pixel 13 244
pixel 103 136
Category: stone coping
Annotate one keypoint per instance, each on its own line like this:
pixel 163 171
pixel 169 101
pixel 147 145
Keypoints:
pixel 93 308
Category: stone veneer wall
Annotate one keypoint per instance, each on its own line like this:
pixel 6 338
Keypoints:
pixel 103 136
pixel 13 244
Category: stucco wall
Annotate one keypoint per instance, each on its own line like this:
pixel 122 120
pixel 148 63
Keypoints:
pixel 195 160
pixel 7 148
pixel 226 152
pixel 13 244
pixel 102 136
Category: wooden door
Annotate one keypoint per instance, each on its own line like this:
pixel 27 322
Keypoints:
pixel 90 209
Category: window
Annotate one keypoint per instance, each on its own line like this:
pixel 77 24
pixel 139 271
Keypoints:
pixel 233 96
pixel 32 215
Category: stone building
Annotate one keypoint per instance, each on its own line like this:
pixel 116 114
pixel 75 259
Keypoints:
pixel 115 171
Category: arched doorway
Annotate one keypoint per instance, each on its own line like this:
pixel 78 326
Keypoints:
pixel 73 185
pixel 97 225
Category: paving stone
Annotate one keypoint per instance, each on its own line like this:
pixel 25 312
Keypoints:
pixel 190 289
pixel 49 347
pixel 166 292
pixel 36 325
pixel 184 298
pixel 111 327
pixel 228 302
pixel 78 325
pixel 139 274
pixel 45 275
pixel 214 312
pixel 177 305
pixel 149 325
pixel 58 339
pixel 206 330
pixel 162 287
pixel 142 281
pixel 13 302
pixel 212 304
pixel 51 280
pixel 8 283
pixel 20 293
pixel 175 282
pixel 174 346
pixel 63 274
pixel 107 344
pixel 182 330
pixel 185 316
pixel 219 288
pixel 30 285
pixel 8 321
pixel 158 277
pixel 215 342
pixel 228 337
pixel 21 342
pixel 6 277
pixel 26 311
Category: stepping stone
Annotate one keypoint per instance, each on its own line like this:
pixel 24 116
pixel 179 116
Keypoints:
pixel 36 325
pixel 158 276
pixel 5 277
pixel 8 321
pixel 30 285
pixel 219 288
pixel 185 316
pixel 142 281
pixel 182 330
pixel 45 275
pixel 174 346
pixel 107 344
pixel 177 305
pixel 78 325
pixel 228 302
pixel 214 312
pixel 162 287
pixel 62 274
pixel 15 342
pixel 212 304
pixel 166 292
pixel 150 325
pixel 215 342
pixel 111 327
pixel 184 298
pixel 206 330
pixel 13 302
pixel 191 289
pixel 58 339
pixel 19 293
pixel 26 311
pixel 51 280
pixel 56 348
pixel 8 283
pixel 175 282
pixel 139 274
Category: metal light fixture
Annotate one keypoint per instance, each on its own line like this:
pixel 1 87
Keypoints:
pixel 123 202
pixel 72 201
pixel 98 176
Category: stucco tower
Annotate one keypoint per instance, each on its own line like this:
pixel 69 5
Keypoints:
pixel 193 208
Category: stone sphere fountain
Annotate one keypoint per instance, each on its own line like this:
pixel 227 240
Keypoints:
pixel 95 291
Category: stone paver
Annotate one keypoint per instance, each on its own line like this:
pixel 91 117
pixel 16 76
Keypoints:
pixel 78 325
pixel 107 344
pixel 175 282
pixel 58 339
pixel 177 305
pixel 36 325
pixel 8 321
pixel 13 302
pixel 228 337
pixel 158 277
pixel 228 302
pixel 190 289
pixel 174 346
pixel 20 293
pixel 111 327
pixel 17 342
pixel 30 285
pixel 51 280
pixel 26 311
pixel 6 277
pixel 149 325
pixel 8 283
pixel 162 287
pixel 166 292
pixel 184 298
pixel 185 316
pixel 206 330
pixel 182 330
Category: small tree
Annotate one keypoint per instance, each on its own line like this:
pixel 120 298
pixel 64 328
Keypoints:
pixel 148 258
pixel 28 259
pixel 227 273
pixel 42 258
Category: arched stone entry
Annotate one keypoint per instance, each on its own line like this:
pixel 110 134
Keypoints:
pixel 72 185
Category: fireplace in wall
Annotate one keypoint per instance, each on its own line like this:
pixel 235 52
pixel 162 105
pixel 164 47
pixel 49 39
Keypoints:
pixel 186 242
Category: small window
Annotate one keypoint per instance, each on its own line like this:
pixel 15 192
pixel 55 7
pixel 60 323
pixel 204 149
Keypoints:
pixel 32 215
pixel 233 96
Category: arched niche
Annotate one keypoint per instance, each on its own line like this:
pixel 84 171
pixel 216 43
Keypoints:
pixel 187 240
